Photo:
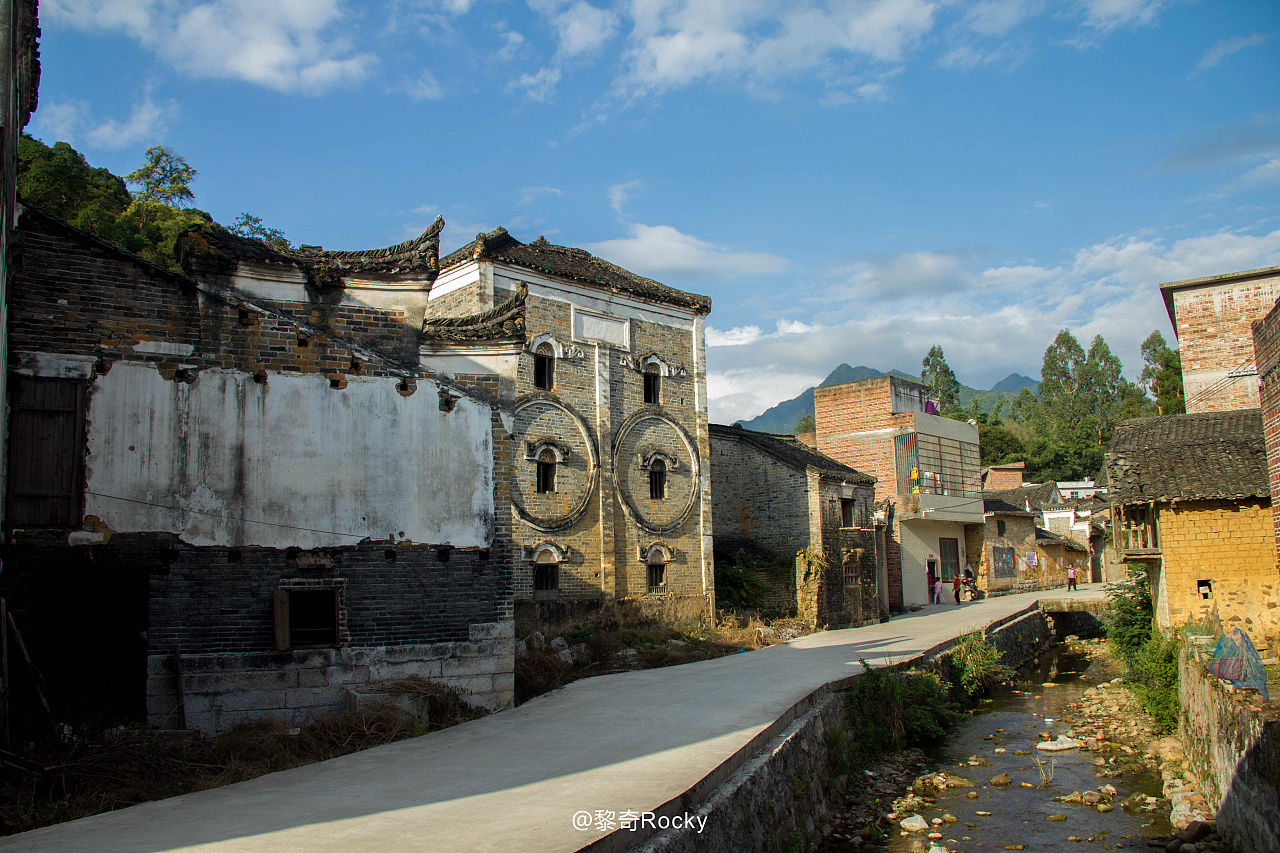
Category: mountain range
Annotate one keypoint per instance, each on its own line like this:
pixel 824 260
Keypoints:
pixel 782 418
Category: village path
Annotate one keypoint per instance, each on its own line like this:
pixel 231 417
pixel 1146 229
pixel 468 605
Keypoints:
pixel 514 780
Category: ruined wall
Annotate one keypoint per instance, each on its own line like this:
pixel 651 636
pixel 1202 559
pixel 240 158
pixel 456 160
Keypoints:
pixel 231 453
pixel 1266 344
pixel 1232 739
pixel 1215 340
pixel 1230 544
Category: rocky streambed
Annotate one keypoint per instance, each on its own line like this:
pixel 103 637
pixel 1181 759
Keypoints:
pixel 1066 759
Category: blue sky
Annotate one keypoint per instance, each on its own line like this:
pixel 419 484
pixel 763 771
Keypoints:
pixel 849 181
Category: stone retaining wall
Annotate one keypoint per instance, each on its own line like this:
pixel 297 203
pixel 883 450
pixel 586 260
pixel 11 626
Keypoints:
pixel 781 796
pixel 1232 739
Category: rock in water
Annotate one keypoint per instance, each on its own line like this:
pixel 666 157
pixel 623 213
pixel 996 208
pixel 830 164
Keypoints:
pixel 1063 742
pixel 1002 779
pixel 915 823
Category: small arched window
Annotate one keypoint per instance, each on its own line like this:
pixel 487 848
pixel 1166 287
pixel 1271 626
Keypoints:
pixel 657 575
pixel 546 572
pixel 657 480
pixel 547 471
pixel 544 366
pixel 652 384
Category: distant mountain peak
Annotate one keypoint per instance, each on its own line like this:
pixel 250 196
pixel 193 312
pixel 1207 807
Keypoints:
pixel 1015 382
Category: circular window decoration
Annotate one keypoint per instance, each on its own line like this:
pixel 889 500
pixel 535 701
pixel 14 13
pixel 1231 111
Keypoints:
pixel 547 431
pixel 644 439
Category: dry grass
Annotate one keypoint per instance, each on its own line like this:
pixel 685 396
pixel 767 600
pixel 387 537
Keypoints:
pixel 123 767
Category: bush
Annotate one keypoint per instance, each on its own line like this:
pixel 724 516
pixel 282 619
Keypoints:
pixel 1129 627
pixel 1153 669
pixel 889 709
pixel 739 579
pixel 973 667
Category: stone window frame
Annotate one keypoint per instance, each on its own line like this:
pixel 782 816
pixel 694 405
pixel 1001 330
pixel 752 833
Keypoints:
pixel 551 567
pixel 652 370
pixel 545 475
pixel 549 366
pixel 281 597
pixel 656 558
pixel 649 462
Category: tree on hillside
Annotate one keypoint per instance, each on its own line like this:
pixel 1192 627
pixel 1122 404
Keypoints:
pixel 60 181
pixel 1162 375
pixel 164 177
pixel 940 379
pixel 249 225
pixel 998 445
pixel 805 424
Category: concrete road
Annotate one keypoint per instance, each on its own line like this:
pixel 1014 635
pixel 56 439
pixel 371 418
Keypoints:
pixel 513 781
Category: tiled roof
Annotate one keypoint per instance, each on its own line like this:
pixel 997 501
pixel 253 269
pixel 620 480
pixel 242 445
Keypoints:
pixel 576 264
pixel 789 449
pixel 1044 537
pixel 1038 495
pixel 1205 456
pixel 997 506
pixel 323 267
pixel 505 320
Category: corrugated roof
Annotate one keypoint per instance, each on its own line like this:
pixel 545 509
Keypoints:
pixel 1205 456
pixel 789 449
pixel 566 262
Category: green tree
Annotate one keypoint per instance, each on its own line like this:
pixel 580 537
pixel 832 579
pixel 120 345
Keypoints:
pixel 998 445
pixel 941 380
pixel 1162 375
pixel 805 424
pixel 1102 389
pixel 164 177
pixel 252 226
pixel 59 180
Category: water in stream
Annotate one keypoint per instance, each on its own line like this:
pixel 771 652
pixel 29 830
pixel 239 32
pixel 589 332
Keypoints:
pixel 1019 815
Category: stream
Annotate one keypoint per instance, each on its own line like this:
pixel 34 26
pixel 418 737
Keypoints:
pixel 1000 738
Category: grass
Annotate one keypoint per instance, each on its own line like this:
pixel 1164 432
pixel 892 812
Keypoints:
pixel 122 767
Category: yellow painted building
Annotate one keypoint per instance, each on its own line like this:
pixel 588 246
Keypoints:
pixel 1191 502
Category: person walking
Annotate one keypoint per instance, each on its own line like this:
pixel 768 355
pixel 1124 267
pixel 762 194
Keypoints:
pixel 937 591
pixel 1071 578
pixel 955 586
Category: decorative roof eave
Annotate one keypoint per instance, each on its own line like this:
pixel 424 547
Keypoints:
pixel 323 268
pixel 574 264
pixel 502 322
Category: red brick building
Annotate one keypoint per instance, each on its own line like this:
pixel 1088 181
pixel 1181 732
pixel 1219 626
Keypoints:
pixel 927 466
pixel 1212 318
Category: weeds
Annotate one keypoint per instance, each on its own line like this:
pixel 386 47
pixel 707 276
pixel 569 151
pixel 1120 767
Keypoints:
pixel 1046 769
pixel 1152 660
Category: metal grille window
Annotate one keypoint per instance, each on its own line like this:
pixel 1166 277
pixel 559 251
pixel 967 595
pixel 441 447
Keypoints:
pixel 931 465
pixel 657 577
pixel 546 471
pixel 546 573
pixel 657 480
pixel 46 453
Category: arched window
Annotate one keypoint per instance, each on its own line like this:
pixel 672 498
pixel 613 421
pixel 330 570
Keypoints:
pixel 657 575
pixel 657 480
pixel 547 470
pixel 544 366
pixel 546 572
pixel 652 384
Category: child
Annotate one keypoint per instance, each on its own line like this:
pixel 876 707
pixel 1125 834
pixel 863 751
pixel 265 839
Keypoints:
pixel 937 591
pixel 1071 578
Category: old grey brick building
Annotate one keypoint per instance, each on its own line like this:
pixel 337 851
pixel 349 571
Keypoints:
pixel 611 493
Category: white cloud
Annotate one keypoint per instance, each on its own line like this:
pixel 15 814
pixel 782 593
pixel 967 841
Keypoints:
pixel 530 194
pixel 620 193
pixel 1108 15
pixel 1224 48
pixel 998 17
pixel 512 41
pixel 285 45
pixel 661 249
pixel 678 42
pixel 1001 324
pixel 582 29
pixel 424 87
pixel 539 86
pixel 895 277
pixel 72 122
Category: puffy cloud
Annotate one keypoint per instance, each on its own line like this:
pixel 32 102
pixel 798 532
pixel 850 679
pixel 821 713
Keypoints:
pixel 72 122
pixel 285 45
pixel 1108 15
pixel 540 85
pixel 424 87
pixel 1108 288
pixel 663 249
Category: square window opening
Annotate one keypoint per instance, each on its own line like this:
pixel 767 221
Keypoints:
pixel 306 618
pixel 1205 589
pixel 546 577
pixel 846 512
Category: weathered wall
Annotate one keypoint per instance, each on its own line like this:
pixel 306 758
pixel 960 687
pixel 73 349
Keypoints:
pixel 206 459
pixel 1232 545
pixel 1232 740
pixel 1003 477
pixel 920 543
pixel 757 497
pixel 1266 344
pixel 1020 535
pixel 1216 342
